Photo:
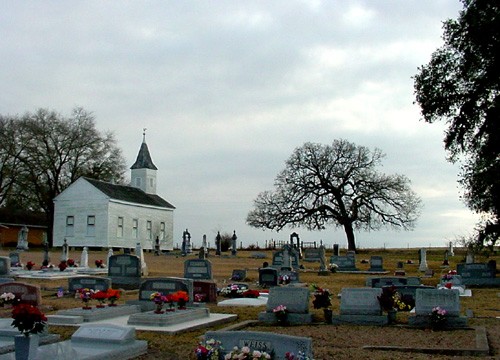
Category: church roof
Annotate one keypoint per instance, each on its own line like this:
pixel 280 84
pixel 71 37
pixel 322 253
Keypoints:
pixel 143 160
pixel 129 194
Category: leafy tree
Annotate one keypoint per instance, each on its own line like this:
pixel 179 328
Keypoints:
pixel 336 185
pixel 461 85
pixel 57 150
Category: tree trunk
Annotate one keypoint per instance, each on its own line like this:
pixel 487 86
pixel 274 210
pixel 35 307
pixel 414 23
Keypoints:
pixel 351 243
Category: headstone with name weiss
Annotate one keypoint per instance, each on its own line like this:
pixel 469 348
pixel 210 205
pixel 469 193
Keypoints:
pixel 277 344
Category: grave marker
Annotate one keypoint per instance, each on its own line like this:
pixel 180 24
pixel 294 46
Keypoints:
pixel 125 271
pixel 26 293
pixel 268 277
pixel 344 263
pixel 376 264
pixel 295 299
pixel 200 269
pixel 4 265
pixel 90 282
pixel 360 306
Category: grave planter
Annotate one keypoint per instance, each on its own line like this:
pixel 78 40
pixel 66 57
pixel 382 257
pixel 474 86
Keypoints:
pixel 26 347
pixel 328 313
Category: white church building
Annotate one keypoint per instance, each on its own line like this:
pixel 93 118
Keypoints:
pixel 99 214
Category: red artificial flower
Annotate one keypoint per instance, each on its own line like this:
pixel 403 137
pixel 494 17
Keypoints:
pixel 28 319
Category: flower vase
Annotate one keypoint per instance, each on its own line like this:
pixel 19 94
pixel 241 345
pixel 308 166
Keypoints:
pixel 391 316
pixel 26 347
pixel 159 307
pixel 328 313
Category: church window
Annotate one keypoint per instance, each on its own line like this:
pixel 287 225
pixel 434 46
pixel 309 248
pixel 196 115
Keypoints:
pixel 149 232
pixel 138 182
pixel 162 231
pixel 135 228
pixel 70 225
pixel 91 225
pixel 119 230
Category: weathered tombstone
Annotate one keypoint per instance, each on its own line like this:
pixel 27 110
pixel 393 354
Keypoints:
pixel 22 239
pixel 313 254
pixel 239 275
pixel 400 271
pixel 26 293
pixel 293 276
pixel 233 244
pixel 198 269
pixel 478 274
pixel 84 259
pixel 65 251
pixel 205 291
pixel 140 254
pixel 204 245
pixel 344 263
pixel 125 271
pixel 46 254
pixel 89 282
pixel 110 253
pixel 378 282
pixel 218 243
pixel 15 260
pixel 469 259
pixel 186 243
pixel 450 249
pixel 288 257
pixel 166 285
pixel 276 344
pixel 423 260
pixel 427 299
pixel 4 265
pixel 201 254
pixel 296 300
pixel 360 306
pixel 296 245
pixel 376 264
pixel 336 251
pixel 268 277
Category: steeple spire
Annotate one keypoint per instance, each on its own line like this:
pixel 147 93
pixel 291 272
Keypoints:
pixel 143 172
pixel 144 160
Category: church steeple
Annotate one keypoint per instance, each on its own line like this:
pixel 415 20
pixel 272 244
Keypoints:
pixel 143 171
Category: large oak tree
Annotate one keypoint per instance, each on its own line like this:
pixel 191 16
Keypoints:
pixel 461 85
pixel 336 185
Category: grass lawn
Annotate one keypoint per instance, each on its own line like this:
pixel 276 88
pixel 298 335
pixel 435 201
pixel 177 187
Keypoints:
pixel 329 342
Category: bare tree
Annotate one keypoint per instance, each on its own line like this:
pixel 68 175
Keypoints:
pixel 57 150
pixel 336 185
pixel 10 152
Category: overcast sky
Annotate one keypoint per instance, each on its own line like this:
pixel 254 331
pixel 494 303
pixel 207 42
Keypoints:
pixel 228 89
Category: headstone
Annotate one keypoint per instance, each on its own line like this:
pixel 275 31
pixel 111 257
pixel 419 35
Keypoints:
pixel 110 253
pixel 296 300
pixel 198 269
pixel 218 240
pixel 376 264
pixel 26 293
pixel 469 259
pixel 478 274
pixel 205 291
pixel 313 254
pixel 268 277
pixel 140 254
pixel 292 275
pixel 201 254
pixel 46 254
pixel 344 263
pixel 378 282
pixel 336 251
pixel 268 342
pixel 4 265
pixel 22 239
pixel 427 299
pixel 233 244
pixel 204 245
pixel 423 260
pixel 84 259
pixel 287 257
pixel 450 249
pixel 239 275
pixel 445 259
pixel 186 243
pixel 360 306
pixel 166 285
pixel 15 259
pixel 125 271
pixel 65 251
pixel 89 282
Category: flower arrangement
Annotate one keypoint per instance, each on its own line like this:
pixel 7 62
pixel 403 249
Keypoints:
pixel 63 265
pixel 30 265
pixel 71 263
pixel 7 298
pixel 449 275
pixel 86 296
pixel 198 297
pixel 181 297
pixel 284 279
pixel 101 297
pixel 170 300
pixel 159 299
pixel 233 290
pixel 251 294
pixel 113 296
pixel 386 298
pixel 209 350
pixel 99 264
pixel 28 319
pixel 281 313
pixel 300 356
pixel 246 354
pixel 322 297
pixel 333 267
pixel 438 317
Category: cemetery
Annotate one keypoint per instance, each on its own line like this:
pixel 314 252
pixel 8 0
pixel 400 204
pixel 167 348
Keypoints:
pixel 274 303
